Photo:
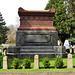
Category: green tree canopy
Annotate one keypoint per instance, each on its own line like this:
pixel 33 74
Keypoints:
pixel 61 22
pixel 3 30
pixel 71 13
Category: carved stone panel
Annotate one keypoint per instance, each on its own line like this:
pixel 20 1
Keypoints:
pixel 37 38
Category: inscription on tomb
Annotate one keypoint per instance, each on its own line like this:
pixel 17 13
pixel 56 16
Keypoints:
pixel 37 38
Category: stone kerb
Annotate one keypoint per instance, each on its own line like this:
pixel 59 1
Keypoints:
pixel 36 62
pixel 5 62
pixel 70 63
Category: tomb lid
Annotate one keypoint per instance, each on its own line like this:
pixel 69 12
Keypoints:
pixel 36 19
pixel 22 11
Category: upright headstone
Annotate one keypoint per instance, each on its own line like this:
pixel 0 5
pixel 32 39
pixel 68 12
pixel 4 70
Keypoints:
pixel 36 62
pixel 69 64
pixel 5 62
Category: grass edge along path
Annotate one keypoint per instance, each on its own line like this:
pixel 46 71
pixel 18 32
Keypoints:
pixel 35 70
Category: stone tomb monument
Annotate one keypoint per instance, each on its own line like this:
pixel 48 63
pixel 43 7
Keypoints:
pixel 36 35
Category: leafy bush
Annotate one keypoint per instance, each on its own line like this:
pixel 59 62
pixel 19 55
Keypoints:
pixel 0 53
pixel 26 63
pixel 15 63
pixel 72 39
pixel 46 62
pixel 58 63
pixel 0 63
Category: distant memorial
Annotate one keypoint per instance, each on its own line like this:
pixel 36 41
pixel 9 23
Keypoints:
pixel 36 35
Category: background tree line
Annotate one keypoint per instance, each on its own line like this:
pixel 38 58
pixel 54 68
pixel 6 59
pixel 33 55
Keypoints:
pixel 3 30
pixel 7 33
pixel 64 18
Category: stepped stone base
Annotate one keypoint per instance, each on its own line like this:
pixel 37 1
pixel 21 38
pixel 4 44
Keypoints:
pixel 42 51
pixel 30 43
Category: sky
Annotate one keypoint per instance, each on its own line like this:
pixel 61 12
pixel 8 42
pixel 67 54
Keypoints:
pixel 9 8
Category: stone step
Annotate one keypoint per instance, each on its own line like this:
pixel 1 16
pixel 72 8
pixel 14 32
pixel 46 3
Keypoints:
pixel 37 47
pixel 35 53
pixel 42 51
pixel 38 52
pixel 29 53
pixel 23 50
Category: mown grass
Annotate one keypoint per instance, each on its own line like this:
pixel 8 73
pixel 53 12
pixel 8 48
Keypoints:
pixel 1 47
pixel 35 70
pixel 11 44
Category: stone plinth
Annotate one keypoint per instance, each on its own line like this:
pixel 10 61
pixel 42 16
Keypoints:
pixel 60 51
pixel 36 38
pixel 30 51
pixel 5 62
pixel 36 62
pixel 70 63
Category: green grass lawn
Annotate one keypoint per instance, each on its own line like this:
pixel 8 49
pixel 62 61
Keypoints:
pixel 1 47
pixel 35 70
pixel 11 44
pixel 52 68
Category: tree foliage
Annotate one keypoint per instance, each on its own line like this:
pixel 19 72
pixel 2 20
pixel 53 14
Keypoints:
pixel 71 13
pixel 11 35
pixel 61 18
pixel 3 30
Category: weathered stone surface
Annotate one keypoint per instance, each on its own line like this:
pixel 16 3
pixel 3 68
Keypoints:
pixel 36 20
pixel 60 51
pixel 42 51
pixel 34 38
pixel 70 63
pixel 36 62
pixel 5 62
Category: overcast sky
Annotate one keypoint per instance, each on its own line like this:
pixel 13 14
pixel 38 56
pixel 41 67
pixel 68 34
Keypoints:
pixel 9 8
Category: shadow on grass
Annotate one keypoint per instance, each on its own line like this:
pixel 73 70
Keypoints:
pixel 73 66
pixel 64 66
pixel 52 67
pixel 46 68
pixel 73 55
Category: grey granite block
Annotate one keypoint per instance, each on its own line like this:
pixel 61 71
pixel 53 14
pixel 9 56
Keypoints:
pixel 42 51
pixel 34 38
